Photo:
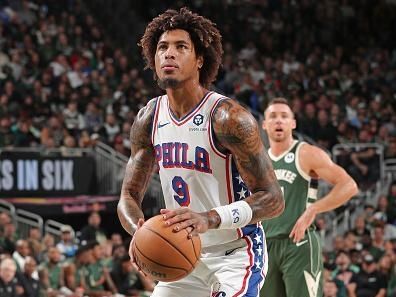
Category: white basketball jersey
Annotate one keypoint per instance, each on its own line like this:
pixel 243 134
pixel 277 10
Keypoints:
pixel 193 172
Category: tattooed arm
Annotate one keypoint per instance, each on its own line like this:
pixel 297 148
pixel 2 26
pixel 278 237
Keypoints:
pixel 138 170
pixel 237 131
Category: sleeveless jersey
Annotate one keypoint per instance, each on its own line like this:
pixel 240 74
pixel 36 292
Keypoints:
pixel 193 172
pixel 299 190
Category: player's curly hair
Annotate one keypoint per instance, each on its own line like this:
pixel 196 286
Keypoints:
pixel 203 33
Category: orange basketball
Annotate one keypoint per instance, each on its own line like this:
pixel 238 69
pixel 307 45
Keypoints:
pixel 163 254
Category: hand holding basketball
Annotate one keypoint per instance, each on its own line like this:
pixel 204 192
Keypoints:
pixel 138 226
pixel 162 253
pixel 185 218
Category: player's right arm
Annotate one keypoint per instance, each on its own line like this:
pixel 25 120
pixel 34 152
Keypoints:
pixel 317 163
pixel 138 170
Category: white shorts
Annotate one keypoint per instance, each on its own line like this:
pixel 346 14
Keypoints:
pixel 237 268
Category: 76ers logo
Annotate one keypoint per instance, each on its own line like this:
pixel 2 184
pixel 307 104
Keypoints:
pixel 198 119
pixel 216 290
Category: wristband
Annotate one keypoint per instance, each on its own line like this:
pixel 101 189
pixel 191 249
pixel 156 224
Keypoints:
pixel 235 215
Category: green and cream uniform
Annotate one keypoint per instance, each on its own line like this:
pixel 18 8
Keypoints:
pixel 295 269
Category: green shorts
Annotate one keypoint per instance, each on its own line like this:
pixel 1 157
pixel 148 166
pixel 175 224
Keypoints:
pixel 295 270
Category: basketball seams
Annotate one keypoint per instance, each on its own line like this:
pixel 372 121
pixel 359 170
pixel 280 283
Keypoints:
pixel 177 249
pixel 159 264
pixel 195 252
pixel 183 271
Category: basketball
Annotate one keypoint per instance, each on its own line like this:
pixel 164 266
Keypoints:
pixel 163 254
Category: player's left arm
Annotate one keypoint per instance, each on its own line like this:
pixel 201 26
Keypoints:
pixel 237 132
pixel 318 164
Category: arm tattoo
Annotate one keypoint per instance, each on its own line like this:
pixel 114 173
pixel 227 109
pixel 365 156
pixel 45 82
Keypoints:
pixel 237 131
pixel 138 170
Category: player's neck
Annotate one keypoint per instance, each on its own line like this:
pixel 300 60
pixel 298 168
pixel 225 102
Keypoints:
pixel 183 100
pixel 278 148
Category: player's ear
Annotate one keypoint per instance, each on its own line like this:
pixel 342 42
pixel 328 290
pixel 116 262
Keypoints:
pixel 294 124
pixel 263 125
pixel 200 62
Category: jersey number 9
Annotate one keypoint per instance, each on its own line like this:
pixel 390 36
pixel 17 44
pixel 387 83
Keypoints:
pixel 180 187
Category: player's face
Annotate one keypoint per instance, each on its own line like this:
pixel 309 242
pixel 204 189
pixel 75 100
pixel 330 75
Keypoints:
pixel 279 122
pixel 175 59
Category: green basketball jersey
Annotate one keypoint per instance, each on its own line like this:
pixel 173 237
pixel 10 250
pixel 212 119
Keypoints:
pixel 299 190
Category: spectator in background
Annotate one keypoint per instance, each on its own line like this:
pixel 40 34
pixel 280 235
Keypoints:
pixel 9 237
pixel 128 280
pixel 93 231
pixel 5 218
pixel 20 254
pixel 54 269
pixel 368 282
pixel 345 133
pixel 119 145
pixel 308 123
pixel 44 281
pixel 35 242
pixel 326 133
pixel 9 286
pixel 76 271
pixel 48 242
pixel 67 245
pixel 360 228
pixel 390 151
pixel 118 252
pixel 25 135
pixel 377 249
pixel 30 284
pixel 330 289
pixel 365 169
pixel 98 279
pixel 391 210
pixel 84 140
pixel 338 245
pixel 350 241
pixel 340 286
pixel 93 118
pixel 110 128
pixel 386 265
pixel 74 120
pixel 7 138
pixel 344 268
pixel 68 147
pixel 116 239
pixel 381 216
pixel 54 130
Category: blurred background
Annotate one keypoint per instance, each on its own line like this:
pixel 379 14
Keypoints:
pixel 72 81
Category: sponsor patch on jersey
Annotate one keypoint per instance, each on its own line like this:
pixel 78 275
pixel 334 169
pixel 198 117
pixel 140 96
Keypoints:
pixel 289 158
pixel 198 119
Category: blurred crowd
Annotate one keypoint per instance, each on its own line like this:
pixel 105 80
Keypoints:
pixel 90 264
pixel 63 83
pixel 362 261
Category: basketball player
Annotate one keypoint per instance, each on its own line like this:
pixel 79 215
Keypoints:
pixel 217 179
pixel 295 255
